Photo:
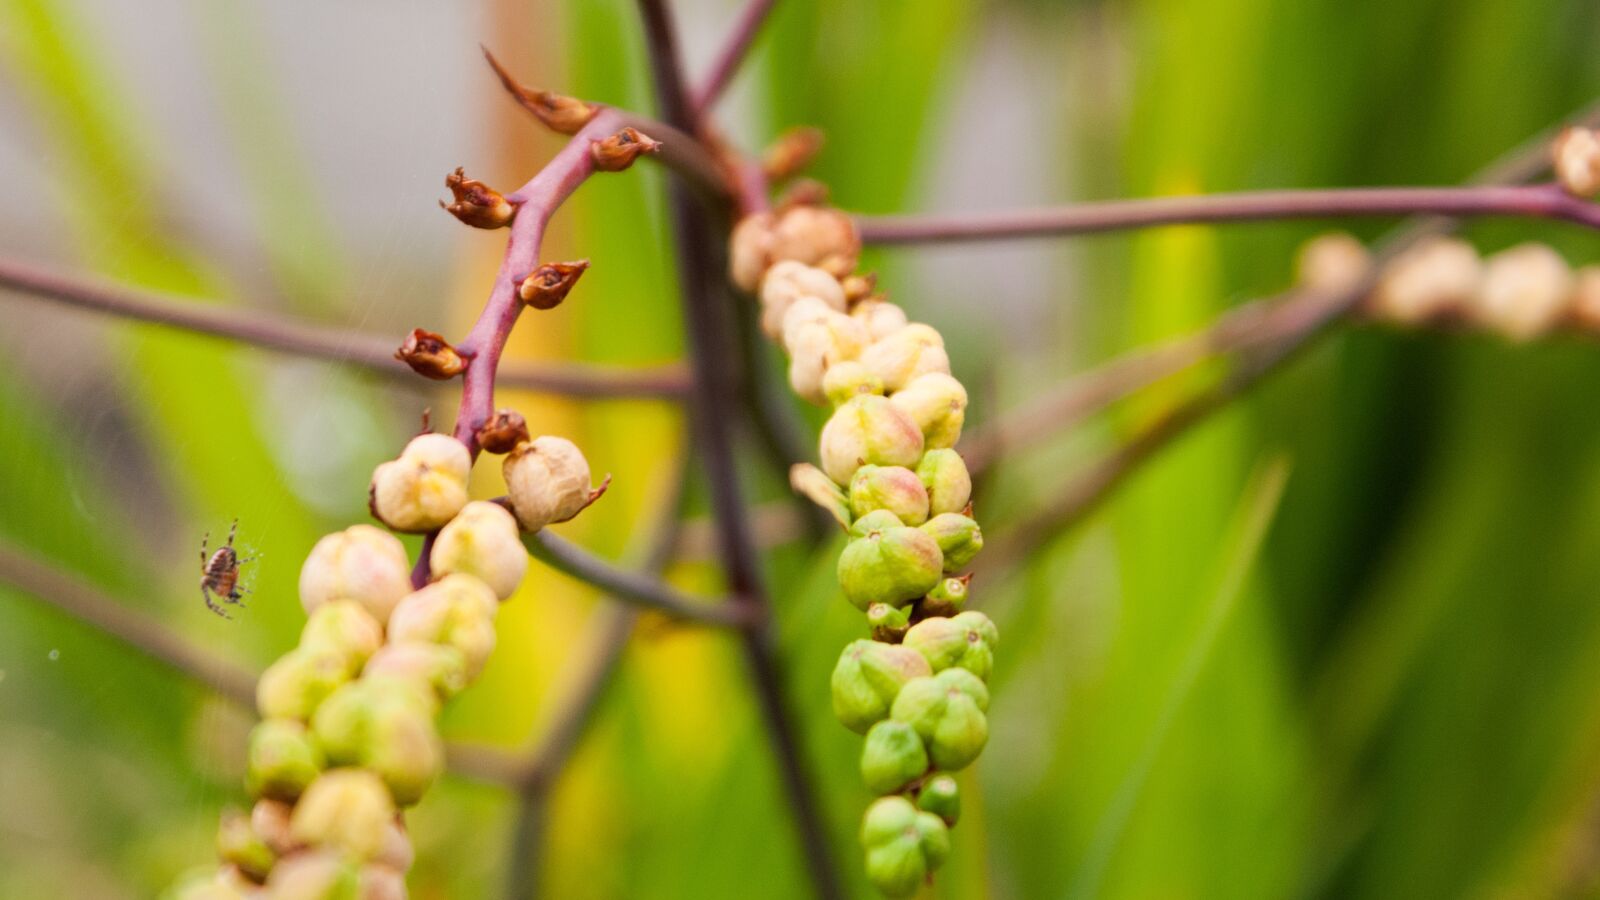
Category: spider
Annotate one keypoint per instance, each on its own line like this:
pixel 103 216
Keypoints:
pixel 219 573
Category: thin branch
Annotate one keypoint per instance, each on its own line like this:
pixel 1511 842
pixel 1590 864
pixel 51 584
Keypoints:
pixel 638 588
pixel 320 342
pixel 116 620
pixel 1542 201
pixel 733 52
pixel 1283 332
pixel 574 709
pixel 714 408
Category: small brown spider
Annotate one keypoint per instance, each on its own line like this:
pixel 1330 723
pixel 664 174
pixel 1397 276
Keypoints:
pixel 219 573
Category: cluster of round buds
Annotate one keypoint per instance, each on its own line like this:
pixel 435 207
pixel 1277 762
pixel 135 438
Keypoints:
pixel 349 736
pixel 889 474
pixel 1521 293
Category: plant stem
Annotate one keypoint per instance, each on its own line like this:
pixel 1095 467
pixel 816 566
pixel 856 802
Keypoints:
pixel 1540 201
pixel 713 410
pixel 116 620
pixel 578 701
pixel 319 342
pixel 637 588
pixel 733 52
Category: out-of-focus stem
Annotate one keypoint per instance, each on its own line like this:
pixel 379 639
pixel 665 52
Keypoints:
pixel 321 342
pixel 1538 201
pixel 733 52
pixel 637 588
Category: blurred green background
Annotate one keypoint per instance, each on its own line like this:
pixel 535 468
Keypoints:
pixel 1343 641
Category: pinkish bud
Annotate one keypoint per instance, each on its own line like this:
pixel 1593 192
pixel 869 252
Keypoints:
pixel 361 563
pixel 789 281
pixel 817 236
pixel 914 350
pixel 879 317
pixel 749 250
pixel 894 488
pixel 868 429
pixel 456 611
pixel 1333 263
pixel 938 404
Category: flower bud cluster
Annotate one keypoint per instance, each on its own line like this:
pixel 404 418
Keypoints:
pixel 1521 293
pixel 349 735
pixel 889 474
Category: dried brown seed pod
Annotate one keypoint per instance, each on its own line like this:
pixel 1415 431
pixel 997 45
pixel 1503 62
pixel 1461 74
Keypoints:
pixel 549 284
pixel 558 112
pixel 476 203
pixel 430 355
pixel 617 152
pixel 503 432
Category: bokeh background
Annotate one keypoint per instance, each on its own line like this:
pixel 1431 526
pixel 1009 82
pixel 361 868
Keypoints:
pixel 1343 641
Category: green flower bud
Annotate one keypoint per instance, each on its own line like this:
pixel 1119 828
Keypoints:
pixel 902 356
pixel 877 520
pixel 847 379
pixel 387 726
pixel 239 845
pixel 959 539
pixel 346 810
pixel 425 487
pixel 891 565
pixel 892 757
pixel 938 404
pixel 941 796
pixel 959 642
pixel 548 480
pixel 809 482
pixel 346 628
pixel 313 875
pixel 888 623
pixel 947 711
pixel 482 541
pixel 894 488
pixel 434 667
pixel 297 683
pixel 361 563
pixel 944 475
pixel 457 610
pixel 283 759
pixel 947 597
pixel 903 845
pixel 868 429
pixel 868 677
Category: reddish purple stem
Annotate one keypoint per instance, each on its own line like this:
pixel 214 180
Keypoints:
pixel 1540 201
pixel 536 202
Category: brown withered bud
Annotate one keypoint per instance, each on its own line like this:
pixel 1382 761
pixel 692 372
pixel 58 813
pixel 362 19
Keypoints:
pixel 859 287
pixel 618 151
pixel 430 355
pixel 558 112
pixel 550 283
pixel 789 155
pixel 503 432
pixel 805 192
pixel 476 203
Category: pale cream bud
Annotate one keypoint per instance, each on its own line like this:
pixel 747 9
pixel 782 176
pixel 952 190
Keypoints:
pixel 1586 299
pixel 425 487
pixel 868 429
pixel 424 664
pixel 1524 292
pixel 817 236
pixel 1333 263
pixel 346 628
pixel 347 810
pixel 913 350
pixel 270 819
pixel 379 882
pixel 1435 277
pixel 749 249
pixel 397 852
pixel 880 317
pixel 808 362
pixel 938 404
pixel 848 335
pixel 361 563
pixel 456 611
pixel 1576 158
pixel 548 480
pixel 787 282
pixel 312 875
pixel 482 540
